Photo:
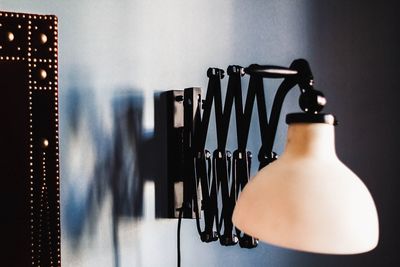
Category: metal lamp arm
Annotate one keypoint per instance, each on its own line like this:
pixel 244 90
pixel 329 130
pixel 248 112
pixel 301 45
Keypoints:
pixel 310 101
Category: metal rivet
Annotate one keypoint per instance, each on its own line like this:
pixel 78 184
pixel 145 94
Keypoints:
pixel 10 36
pixel 45 143
pixel 42 74
pixel 43 38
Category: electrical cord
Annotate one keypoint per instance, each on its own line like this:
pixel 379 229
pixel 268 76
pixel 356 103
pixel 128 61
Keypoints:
pixel 178 243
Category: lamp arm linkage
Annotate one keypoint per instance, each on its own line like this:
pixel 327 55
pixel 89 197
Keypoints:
pixel 299 73
pixel 221 172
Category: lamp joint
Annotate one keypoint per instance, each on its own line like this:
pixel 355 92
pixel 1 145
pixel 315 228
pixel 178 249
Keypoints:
pixel 209 236
pixel 228 240
pixel 266 157
pixel 248 242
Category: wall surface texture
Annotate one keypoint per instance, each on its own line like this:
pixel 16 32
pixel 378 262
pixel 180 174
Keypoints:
pixel 115 56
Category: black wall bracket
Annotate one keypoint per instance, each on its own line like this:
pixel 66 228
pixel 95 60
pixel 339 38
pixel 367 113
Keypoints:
pixel 177 189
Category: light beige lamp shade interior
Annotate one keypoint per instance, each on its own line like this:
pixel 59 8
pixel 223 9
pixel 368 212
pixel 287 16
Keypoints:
pixel 308 200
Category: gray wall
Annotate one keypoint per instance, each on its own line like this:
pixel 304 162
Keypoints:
pixel 356 61
pixel 114 55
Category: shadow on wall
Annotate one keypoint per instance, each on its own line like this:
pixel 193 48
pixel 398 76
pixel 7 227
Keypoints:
pixel 106 161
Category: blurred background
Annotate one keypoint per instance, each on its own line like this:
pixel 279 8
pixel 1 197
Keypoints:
pixel 115 58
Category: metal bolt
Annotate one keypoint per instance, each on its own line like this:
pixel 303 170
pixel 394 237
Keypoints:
pixel 179 98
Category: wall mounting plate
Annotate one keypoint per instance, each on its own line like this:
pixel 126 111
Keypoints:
pixel 174 181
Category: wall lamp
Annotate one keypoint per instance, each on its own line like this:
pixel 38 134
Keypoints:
pixel 306 200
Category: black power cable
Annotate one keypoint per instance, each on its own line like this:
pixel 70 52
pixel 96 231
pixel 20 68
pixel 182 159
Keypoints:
pixel 178 243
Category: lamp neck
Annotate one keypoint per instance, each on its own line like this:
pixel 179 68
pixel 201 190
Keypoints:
pixel 310 140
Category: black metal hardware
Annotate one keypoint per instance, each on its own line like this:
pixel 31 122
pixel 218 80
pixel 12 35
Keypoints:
pixel 313 118
pixel 268 71
pixel 222 175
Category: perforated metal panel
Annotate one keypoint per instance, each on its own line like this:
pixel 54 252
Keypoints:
pixel 30 195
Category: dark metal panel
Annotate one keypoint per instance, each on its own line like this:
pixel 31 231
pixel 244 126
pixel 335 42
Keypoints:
pixel 29 169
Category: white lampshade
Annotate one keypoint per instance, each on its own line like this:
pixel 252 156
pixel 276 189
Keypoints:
pixel 308 199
